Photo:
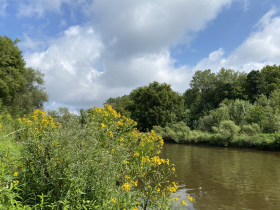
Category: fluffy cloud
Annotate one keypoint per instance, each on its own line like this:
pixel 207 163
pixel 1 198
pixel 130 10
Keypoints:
pixel 70 65
pixel 261 48
pixel 78 75
pixel 123 46
pixel 136 27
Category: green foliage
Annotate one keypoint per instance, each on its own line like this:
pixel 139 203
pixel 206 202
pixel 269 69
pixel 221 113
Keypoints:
pixel 11 70
pixel 121 104
pixel 156 104
pixel 94 165
pixel 21 88
pixel 175 132
pixel 228 128
pixel 238 111
pixel 251 130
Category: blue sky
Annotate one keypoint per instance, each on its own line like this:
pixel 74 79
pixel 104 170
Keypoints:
pixel 92 50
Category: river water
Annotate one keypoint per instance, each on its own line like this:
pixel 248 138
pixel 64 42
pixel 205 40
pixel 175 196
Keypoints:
pixel 226 178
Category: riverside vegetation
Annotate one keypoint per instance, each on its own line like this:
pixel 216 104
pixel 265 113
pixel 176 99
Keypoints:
pixel 227 108
pixel 96 161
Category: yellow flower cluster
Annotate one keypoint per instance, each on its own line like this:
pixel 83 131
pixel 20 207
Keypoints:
pixel 156 160
pixel 173 188
pixel 126 187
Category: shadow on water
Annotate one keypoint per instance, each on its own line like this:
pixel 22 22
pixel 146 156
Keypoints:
pixel 226 178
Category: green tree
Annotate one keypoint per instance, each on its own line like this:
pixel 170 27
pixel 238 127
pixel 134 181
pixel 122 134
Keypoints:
pixel 156 104
pixel 121 104
pixel 11 70
pixel 270 79
pixel 21 88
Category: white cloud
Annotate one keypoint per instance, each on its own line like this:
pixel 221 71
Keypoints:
pixel 78 75
pixel 3 5
pixel 69 64
pixel 132 49
pixel 39 7
pixel 30 44
pixel 261 48
pixel 135 27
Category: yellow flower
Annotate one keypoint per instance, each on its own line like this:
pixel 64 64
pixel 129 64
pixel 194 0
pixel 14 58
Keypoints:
pixel 190 198
pixel 126 187
pixel 176 198
pixel 114 200
pixel 124 162
pixel 103 125
pixel 158 189
pixel 134 208
pixel 136 154
pixel 173 169
pixel 127 176
pixel 122 139
pixel 113 150
pixel 21 165
pixel 121 145
pixel 184 202
pixel 16 181
pixel 16 173
pixel 111 134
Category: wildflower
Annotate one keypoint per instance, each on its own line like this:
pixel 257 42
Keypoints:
pixel 134 208
pixel 173 169
pixel 103 125
pixel 190 198
pixel 176 198
pixel 121 145
pixel 16 181
pixel 158 189
pixel 111 134
pixel 184 202
pixel 113 150
pixel 114 200
pixel 21 165
pixel 16 173
pixel 126 187
pixel 124 162
pixel 127 176
pixel 136 154
pixel 122 139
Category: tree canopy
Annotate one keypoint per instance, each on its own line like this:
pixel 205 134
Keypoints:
pixel 21 88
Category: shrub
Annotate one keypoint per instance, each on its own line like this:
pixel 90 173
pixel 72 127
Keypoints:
pixel 97 165
pixel 228 128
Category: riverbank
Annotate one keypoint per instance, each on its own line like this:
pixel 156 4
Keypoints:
pixel 260 141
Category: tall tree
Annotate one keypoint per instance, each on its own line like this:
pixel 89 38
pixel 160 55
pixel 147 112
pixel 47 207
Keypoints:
pixel 156 104
pixel 21 88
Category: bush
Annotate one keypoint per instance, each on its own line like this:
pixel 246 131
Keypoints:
pixel 97 165
pixel 228 128
pixel 174 132
pixel 251 130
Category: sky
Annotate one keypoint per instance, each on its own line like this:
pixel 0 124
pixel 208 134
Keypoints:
pixel 91 50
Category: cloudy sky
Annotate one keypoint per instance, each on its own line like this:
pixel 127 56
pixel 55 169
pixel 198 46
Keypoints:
pixel 90 50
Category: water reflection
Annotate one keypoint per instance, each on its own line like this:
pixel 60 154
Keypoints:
pixel 226 178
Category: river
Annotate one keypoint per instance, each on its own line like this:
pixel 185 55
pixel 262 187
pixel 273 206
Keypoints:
pixel 226 178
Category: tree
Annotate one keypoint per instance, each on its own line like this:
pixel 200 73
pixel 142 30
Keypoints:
pixel 11 70
pixel 121 104
pixel 156 104
pixel 21 88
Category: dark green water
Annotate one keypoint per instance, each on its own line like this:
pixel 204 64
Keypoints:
pixel 226 178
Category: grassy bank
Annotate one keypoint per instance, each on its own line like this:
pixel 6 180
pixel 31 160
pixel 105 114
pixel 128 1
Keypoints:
pixel 96 161
pixel 180 133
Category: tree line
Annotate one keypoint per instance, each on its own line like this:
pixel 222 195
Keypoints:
pixel 243 98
